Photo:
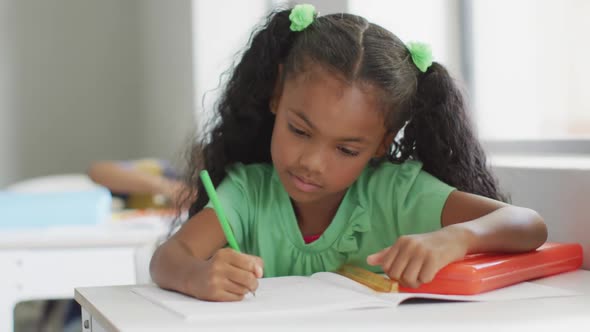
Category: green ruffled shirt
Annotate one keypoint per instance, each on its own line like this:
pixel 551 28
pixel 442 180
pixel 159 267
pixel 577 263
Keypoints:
pixel 386 201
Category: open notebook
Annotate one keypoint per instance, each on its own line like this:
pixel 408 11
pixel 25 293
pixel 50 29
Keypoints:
pixel 321 292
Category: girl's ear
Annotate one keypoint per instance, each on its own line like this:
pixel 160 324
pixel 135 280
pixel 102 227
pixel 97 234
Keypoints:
pixel 277 91
pixel 385 145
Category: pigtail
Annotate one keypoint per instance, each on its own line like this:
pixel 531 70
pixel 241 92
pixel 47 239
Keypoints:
pixel 242 125
pixel 440 135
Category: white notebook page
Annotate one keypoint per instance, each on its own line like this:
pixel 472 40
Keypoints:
pixel 274 296
pixel 323 292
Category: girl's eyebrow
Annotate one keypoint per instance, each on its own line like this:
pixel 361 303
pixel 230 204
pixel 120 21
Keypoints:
pixel 304 118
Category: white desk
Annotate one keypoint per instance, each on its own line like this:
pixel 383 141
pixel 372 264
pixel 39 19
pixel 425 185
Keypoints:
pixel 116 308
pixel 49 263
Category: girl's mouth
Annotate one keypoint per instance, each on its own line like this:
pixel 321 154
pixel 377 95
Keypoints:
pixel 303 184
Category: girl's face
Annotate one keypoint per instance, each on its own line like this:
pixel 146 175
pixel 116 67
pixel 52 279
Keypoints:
pixel 325 133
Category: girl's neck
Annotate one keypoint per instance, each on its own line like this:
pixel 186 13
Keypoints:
pixel 313 218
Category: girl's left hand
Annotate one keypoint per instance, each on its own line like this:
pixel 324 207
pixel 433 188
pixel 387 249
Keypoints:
pixel 415 259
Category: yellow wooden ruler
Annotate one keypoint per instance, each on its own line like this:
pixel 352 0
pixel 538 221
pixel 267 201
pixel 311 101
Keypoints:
pixel 372 280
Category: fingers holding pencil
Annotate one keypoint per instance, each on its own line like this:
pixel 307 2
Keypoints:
pixel 227 276
pixel 247 269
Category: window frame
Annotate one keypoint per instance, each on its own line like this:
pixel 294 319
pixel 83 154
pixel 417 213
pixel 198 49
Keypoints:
pixel 542 146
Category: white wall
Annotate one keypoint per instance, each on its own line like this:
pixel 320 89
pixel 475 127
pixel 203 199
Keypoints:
pixel 77 83
pixel 166 77
pixel 219 35
pixel 72 89
pixel 558 187
pixel 7 169
pixel 435 22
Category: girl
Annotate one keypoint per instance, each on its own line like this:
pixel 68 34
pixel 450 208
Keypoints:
pixel 337 143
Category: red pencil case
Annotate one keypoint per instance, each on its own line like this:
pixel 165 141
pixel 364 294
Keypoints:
pixel 484 272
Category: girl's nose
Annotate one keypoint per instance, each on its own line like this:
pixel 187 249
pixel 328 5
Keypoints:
pixel 313 160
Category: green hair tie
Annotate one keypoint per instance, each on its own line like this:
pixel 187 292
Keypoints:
pixel 421 55
pixel 301 17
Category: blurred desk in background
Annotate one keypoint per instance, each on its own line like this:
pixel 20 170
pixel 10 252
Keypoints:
pixel 48 263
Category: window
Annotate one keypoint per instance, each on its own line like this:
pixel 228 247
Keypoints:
pixel 524 62
pixel 529 68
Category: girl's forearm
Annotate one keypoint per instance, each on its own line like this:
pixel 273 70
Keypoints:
pixel 172 264
pixel 508 229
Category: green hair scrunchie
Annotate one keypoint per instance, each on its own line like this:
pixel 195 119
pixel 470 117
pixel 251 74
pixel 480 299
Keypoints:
pixel 421 55
pixel 301 17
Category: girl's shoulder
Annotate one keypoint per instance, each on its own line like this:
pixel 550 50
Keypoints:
pixel 254 174
pixel 254 170
pixel 389 170
pixel 253 184
pixel 398 179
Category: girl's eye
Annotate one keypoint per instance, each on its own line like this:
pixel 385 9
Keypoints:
pixel 297 131
pixel 348 152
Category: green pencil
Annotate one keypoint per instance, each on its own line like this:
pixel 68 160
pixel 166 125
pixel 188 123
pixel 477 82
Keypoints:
pixel 229 235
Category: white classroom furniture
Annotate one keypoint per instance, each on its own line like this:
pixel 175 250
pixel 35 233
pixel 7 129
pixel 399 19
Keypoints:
pixel 117 308
pixel 48 263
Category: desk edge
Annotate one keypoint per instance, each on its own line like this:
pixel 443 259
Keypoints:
pixel 93 311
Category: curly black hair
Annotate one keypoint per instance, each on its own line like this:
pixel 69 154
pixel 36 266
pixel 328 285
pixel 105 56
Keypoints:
pixel 427 108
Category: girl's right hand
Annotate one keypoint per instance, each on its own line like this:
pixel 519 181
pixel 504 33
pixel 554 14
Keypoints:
pixel 227 276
